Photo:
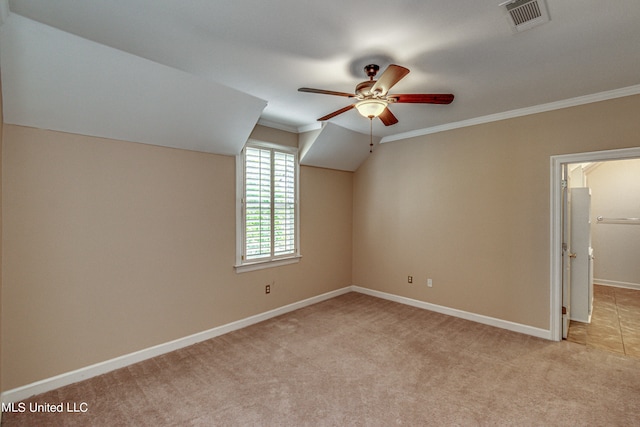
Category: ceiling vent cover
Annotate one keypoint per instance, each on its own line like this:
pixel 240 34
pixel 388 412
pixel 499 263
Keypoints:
pixel 525 14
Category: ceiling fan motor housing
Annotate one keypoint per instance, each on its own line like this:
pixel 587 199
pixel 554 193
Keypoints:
pixel 363 89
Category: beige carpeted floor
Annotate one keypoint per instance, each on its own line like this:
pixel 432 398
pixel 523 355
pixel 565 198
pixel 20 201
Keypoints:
pixel 362 361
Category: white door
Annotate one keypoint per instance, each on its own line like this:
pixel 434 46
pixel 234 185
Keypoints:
pixel 567 255
pixel 581 287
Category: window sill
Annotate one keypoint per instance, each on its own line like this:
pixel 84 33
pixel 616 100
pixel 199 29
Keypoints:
pixel 260 265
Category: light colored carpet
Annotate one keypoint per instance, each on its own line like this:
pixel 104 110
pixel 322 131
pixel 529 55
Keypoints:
pixel 361 361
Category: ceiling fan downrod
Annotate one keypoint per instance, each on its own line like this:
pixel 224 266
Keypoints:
pixel 371 70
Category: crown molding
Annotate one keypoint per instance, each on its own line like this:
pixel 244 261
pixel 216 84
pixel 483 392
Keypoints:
pixel 276 125
pixel 310 127
pixel 572 102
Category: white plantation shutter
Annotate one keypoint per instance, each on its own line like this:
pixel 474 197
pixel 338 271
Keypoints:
pixel 257 203
pixel 284 206
pixel 269 203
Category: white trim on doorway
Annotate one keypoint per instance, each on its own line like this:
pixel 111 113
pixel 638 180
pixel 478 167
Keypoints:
pixel 555 321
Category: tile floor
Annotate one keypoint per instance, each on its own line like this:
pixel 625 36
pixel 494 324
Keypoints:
pixel 615 322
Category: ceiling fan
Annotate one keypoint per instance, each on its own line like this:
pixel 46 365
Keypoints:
pixel 373 96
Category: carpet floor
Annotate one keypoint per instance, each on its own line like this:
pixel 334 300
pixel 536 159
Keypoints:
pixel 357 360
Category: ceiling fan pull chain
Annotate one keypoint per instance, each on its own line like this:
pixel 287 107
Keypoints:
pixel 370 134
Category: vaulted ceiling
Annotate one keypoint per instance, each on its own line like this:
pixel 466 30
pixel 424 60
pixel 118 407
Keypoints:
pixel 199 74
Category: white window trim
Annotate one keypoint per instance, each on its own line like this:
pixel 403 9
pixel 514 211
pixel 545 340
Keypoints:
pixel 241 265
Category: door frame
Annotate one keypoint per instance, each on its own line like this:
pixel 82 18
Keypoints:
pixel 555 321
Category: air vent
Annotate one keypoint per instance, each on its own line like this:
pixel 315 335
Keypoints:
pixel 525 14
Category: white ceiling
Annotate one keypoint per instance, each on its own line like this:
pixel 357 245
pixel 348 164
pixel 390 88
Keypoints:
pixel 202 70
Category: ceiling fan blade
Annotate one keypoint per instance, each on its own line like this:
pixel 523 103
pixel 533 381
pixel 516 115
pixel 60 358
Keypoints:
pixel 325 92
pixel 388 118
pixel 392 75
pixel 424 98
pixel 335 113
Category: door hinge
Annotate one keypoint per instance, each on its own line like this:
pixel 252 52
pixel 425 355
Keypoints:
pixel 564 310
pixel 563 183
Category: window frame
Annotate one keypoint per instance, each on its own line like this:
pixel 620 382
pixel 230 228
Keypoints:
pixel 242 264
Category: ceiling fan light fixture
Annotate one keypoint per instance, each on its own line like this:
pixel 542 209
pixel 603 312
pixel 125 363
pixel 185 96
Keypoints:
pixel 371 108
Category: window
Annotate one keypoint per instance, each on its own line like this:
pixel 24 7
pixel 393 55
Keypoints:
pixel 267 206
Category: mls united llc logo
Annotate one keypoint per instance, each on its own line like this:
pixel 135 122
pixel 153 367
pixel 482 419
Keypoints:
pixel 45 407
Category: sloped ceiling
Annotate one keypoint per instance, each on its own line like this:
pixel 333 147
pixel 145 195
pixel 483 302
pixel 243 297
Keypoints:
pixel 55 80
pixel 199 72
pixel 319 148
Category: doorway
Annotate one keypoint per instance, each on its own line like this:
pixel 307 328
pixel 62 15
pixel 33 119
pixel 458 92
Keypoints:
pixel 556 252
pixel 605 308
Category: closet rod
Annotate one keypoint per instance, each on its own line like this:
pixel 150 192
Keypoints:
pixel 619 220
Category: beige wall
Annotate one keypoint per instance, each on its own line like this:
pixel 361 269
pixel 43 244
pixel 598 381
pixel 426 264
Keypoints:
pixel 615 193
pixel 470 209
pixel 276 136
pixel 112 247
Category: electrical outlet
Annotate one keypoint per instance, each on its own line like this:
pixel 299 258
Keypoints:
pixel 430 283
pixel 267 289
pixel 410 279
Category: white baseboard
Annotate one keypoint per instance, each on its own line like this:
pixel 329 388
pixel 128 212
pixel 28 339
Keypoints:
pixel 491 321
pixel 617 284
pixel 42 386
